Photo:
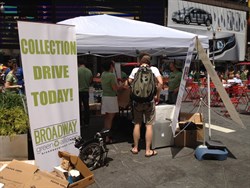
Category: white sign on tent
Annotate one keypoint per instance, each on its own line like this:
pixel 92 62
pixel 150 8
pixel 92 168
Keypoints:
pixel 49 58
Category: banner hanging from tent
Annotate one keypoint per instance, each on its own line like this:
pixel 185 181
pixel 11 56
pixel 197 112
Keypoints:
pixel 49 59
pixel 183 84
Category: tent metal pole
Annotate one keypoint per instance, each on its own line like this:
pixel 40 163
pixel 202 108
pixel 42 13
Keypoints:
pixel 209 103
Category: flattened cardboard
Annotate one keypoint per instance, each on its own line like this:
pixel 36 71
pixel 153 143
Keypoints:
pixel 19 174
pixel 45 179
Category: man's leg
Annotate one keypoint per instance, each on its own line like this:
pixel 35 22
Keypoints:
pixel 150 118
pixel 80 112
pixel 86 108
pixel 80 106
pixel 148 137
pixel 136 136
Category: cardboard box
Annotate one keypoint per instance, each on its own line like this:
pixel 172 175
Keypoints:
pixel 200 132
pixel 88 176
pixel 190 117
pixel 61 172
pixel 196 124
pixel 186 138
pixel 21 174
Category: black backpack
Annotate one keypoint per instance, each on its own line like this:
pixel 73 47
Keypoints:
pixel 143 87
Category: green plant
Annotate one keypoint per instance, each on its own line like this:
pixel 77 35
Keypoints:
pixel 13 118
pixel 9 100
pixel 13 121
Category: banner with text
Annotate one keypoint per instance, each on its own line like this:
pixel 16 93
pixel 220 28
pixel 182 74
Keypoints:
pixel 183 85
pixel 49 59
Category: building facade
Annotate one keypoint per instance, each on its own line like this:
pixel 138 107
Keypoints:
pixel 53 11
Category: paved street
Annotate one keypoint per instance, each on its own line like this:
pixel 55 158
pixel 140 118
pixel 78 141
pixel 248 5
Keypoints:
pixel 177 167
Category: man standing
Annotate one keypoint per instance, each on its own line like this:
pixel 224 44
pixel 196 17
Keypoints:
pixel 85 78
pixel 174 82
pixel 145 110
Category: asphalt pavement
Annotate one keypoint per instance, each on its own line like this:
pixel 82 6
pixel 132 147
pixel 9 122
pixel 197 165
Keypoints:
pixel 177 167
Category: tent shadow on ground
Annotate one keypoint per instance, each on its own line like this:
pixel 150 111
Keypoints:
pixel 176 152
pixel 121 131
pixel 230 154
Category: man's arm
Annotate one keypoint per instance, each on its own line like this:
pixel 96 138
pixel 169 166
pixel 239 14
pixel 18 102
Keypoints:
pixel 159 88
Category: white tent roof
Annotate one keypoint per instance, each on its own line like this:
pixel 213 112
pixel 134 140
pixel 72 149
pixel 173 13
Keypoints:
pixel 105 34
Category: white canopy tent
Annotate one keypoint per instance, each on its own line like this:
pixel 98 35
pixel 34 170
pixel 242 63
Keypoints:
pixel 105 34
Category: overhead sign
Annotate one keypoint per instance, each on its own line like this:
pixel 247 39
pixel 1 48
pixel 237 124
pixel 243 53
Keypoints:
pixel 228 25
pixel 49 59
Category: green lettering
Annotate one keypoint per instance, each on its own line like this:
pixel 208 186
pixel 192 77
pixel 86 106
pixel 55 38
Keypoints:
pixel 46 45
pixel 57 47
pixel 59 130
pixel 35 98
pixel 37 71
pixel 31 46
pixel 71 128
pixel 43 98
pixel 36 136
pixel 65 128
pixel 60 96
pixel 52 47
pixel 65 94
pixel 58 70
pixel 42 135
pixel 46 72
pixel 24 46
pixel 54 133
pixel 62 47
pixel 52 96
pixel 66 71
pixel 71 94
pixel 66 47
pixel 74 125
pixel 48 134
pixel 73 47
pixel 37 47
pixel 41 47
